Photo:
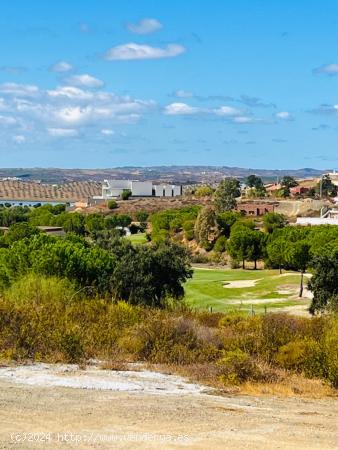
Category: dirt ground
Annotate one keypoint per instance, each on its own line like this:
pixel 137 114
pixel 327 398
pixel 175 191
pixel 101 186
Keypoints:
pixel 101 419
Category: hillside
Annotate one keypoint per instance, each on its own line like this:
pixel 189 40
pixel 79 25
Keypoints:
pixel 31 190
pixel 180 174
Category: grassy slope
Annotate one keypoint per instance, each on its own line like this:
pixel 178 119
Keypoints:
pixel 206 290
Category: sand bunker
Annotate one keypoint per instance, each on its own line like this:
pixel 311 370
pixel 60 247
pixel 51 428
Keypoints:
pixel 94 378
pixel 240 283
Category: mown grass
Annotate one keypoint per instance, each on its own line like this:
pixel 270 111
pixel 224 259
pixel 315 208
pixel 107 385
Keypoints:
pixel 206 289
pixel 139 238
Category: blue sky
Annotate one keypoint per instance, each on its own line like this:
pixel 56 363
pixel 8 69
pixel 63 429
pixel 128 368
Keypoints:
pixel 138 82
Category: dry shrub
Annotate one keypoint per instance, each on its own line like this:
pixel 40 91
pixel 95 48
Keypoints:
pixel 236 366
pixel 209 319
pixel 231 347
pixel 302 355
pixel 279 329
pixel 175 340
pixel 330 350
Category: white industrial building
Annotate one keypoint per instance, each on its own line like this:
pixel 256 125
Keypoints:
pixel 114 189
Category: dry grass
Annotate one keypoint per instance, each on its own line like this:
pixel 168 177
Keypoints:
pixel 148 204
pixel 287 385
pixel 113 365
pixel 290 386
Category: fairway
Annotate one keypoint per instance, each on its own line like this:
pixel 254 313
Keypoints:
pixel 246 290
pixel 138 238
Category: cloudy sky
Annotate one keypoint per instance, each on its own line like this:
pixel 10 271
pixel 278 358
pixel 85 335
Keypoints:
pixel 104 83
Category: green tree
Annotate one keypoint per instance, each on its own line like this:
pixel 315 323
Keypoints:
pixel 297 255
pixel 226 220
pixel 273 221
pixel 112 204
pixel 124 220
pixel 71 222
pixel 245 244
pixel 287 183
pixel 220 245
pixel 226 193
pixel 206 228
pixel 253 181
pixel 19 231
pixel 188 228
pixel 94 222
pixel 149 275
pixel 328 189
pixel 324 283
pixel 256 185
pixel 41 216
pixel 142 216
pixel 256 246
pixel 204 191
pixel 126 194
pixel 275 250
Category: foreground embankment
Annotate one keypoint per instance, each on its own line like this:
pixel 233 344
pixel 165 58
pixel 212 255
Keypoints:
pixel 101 409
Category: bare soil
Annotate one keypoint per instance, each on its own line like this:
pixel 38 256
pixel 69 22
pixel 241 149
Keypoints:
pixel 77 418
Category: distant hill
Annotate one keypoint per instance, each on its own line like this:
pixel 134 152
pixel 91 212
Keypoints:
pixel 179 174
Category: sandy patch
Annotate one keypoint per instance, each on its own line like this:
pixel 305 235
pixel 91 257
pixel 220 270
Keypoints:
pixel 240 283
pixel 286 274
pixel 257 301
pixel 44 375
pixel 297 310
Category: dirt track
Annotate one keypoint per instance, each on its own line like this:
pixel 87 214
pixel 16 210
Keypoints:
pixel 135 420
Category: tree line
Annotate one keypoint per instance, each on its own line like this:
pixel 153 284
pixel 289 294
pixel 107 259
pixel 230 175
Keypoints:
pixel 81 224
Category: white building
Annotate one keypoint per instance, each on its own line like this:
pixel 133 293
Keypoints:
pixel 327 217
pixel 333 177
pixel 114 189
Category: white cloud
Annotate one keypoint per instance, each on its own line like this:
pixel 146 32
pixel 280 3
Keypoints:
pixel 243 119
pixel 181 93
pixel 128 118
pixel 107 132
pixel 179 109
pixel 327 69
pixel 227 111
pixel 73 114
pixel 8 120
pixel 326 109
pixel 85 80
pixel 19 139
pixel 15 89
pixel 62 132
pixel 134 51
pixel 70 92
pixel 145 26
pixel 284 115
pixel 66 111
pixel 60 67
